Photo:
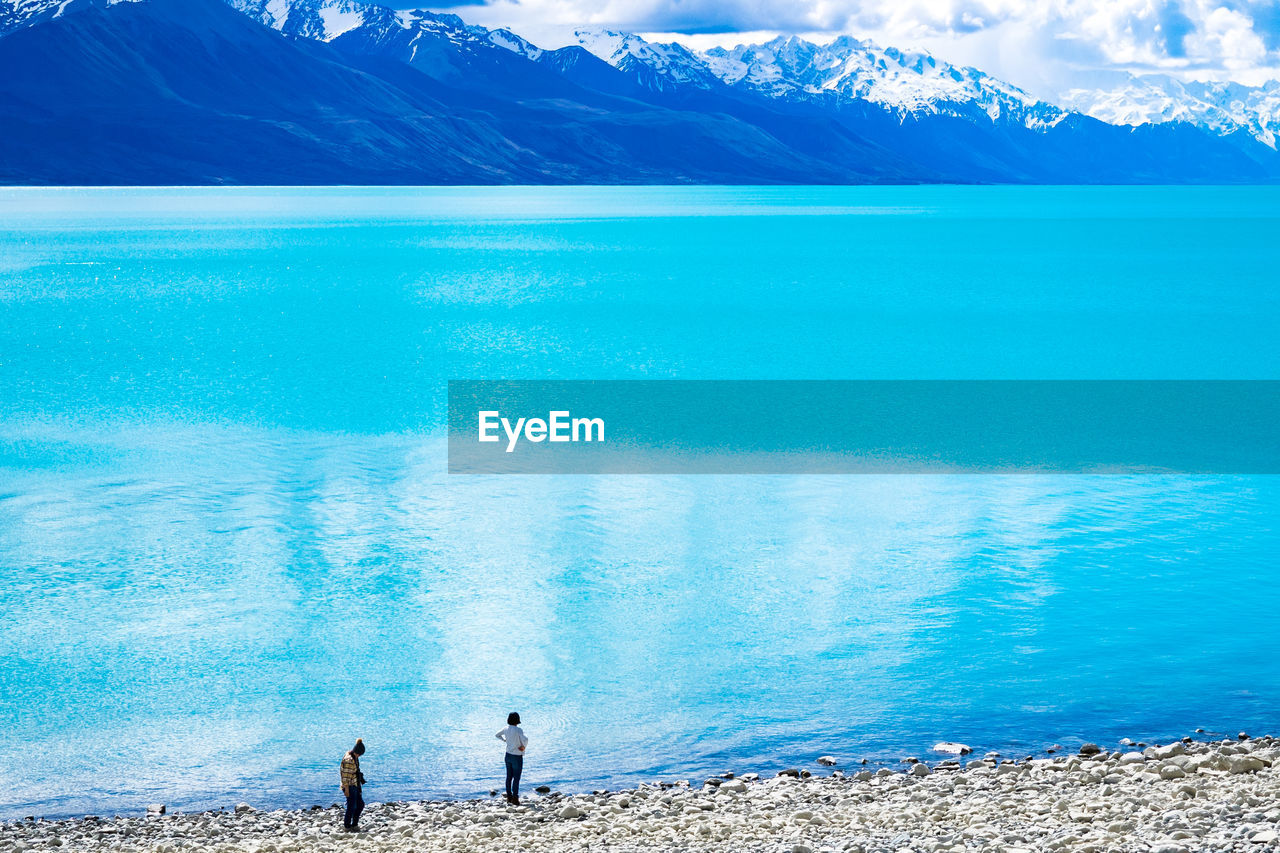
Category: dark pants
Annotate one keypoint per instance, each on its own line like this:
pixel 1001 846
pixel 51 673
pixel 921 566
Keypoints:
pixel 515 764
pixel 355 805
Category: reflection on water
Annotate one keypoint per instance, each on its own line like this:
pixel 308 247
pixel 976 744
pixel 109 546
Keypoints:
pixel 209 612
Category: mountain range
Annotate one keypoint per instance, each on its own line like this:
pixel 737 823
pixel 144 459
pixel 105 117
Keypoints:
pixel 337 91
pixel 1222 108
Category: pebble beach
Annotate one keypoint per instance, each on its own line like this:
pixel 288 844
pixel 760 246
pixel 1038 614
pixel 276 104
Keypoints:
pixel 1185 796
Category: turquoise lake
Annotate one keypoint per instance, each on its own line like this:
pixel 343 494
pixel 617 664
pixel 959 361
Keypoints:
pixel 229 544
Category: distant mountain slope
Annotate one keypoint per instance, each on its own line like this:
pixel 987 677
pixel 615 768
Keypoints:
pixel 1222 108
pixel 656 67
pixel 843 71
pixel 849 69
pixel 336 91
pixel 191 91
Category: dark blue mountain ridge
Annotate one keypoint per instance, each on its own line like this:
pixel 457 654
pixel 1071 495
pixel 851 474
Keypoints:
pixel 192 91
pixel 198 92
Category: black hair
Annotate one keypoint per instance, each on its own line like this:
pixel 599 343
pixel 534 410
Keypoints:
pixel 358 749
pixel 513 719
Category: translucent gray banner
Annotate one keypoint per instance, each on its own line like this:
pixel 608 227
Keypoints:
pixel 863 427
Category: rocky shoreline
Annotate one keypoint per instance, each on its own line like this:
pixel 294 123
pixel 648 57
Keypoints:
pixel 1186 796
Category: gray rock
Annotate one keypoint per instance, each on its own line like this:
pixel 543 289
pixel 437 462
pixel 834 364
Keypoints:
pixel 1072 804
pixel 1238 764
pixel 950 747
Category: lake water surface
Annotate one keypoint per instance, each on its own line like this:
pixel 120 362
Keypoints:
pixel 228 544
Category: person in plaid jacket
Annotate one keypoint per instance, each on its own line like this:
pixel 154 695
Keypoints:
pixel 352 781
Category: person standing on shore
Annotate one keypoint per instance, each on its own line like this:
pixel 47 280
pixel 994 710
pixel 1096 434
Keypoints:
pixel 516 741
pixel 352 782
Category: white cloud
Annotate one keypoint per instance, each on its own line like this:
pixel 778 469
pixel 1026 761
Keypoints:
pixel 1229 34
pixel 1043 46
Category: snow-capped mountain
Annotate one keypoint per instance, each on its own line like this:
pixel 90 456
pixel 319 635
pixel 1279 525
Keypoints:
pixel 657 67
pixel 430 39
pixel 844 70
pixel 788 69
pixel 514 43
pixel 441 45
pixel 852 69
pixel 1222 108
pixel 307 91
pixel 326 20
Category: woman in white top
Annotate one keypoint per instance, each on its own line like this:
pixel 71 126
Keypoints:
pixel 516 742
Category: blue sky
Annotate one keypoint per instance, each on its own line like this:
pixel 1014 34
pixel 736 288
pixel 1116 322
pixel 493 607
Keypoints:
pixel 1043 46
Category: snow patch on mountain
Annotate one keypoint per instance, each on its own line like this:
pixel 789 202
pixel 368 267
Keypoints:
pixel 16 14
pixel 515 44
pixel 337 19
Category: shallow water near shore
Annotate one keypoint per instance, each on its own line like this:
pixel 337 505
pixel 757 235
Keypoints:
pixel 228 544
